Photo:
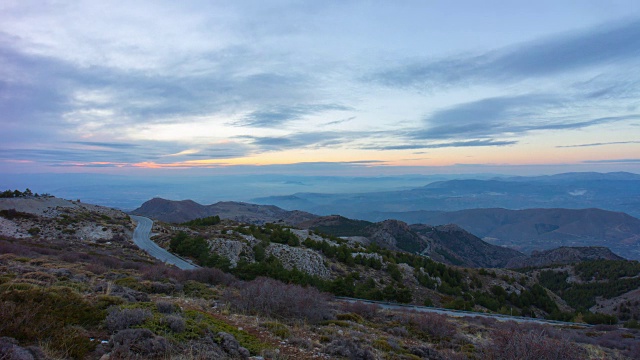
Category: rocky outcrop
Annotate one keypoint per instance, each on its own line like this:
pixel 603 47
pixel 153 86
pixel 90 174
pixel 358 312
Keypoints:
pixel 234 250
pixel 300 258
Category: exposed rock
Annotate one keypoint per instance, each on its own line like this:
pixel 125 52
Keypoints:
pixel 368 255
pixel 234 250
pixel 303 259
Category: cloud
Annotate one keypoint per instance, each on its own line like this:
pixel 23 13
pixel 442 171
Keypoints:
pixel 613 161
pixel 43 89
pixel 596 46
pixel 303 140
pixel 280 115
pixel 105 144
pixel 506 116
pixel 468 143
pixel 99 154
pixel 599 144
pixel 337 122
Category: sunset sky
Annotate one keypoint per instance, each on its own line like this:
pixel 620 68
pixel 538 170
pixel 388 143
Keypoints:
pixel 390 86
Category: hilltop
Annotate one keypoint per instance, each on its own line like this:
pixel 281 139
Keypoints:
pixel 185 210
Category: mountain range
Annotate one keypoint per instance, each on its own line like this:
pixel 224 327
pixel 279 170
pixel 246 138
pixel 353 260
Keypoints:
pixel 539 229
pixel 618 191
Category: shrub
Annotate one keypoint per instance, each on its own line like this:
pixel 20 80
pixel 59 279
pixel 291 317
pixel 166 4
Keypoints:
pixel 138 343
pixel 120 319
pixel 350 317
pixel 231 346
pixel 97 269
pixel 273 298
pixel 210 276
pixel 367 311
pixel 72 342
pixel 349 349
pixel 197 289
pixel 599 318
pixel 10 349
pixel 277 329
pixel 398 331
pixel 175 323
pixel 511 343
pixel 432 325
pixel 632 324
pixel 301 343
pixel 165 307
pixel 54 315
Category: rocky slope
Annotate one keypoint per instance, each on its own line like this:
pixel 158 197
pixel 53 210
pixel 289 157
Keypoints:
pixel 51 217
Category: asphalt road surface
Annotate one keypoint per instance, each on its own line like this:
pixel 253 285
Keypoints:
pixel 141 237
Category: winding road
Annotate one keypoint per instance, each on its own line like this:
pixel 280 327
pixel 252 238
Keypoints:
pixel 141 237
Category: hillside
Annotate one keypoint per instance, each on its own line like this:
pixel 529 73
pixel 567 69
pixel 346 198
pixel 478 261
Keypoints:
pixel 60 291
pixel 541 229
pixel 455 245
pixel 185 210
pixel 563 255
pixel 448 244
pixel 602 286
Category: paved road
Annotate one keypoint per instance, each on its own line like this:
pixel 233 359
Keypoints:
pixel 461 313
pixel 141 237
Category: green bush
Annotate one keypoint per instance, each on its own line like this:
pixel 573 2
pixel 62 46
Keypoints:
pixel 598 318
pixel 277 329
pixel 55 315
pixel 632 324
pixel 350 317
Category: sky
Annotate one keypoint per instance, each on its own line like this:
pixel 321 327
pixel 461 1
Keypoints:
pixel 357 87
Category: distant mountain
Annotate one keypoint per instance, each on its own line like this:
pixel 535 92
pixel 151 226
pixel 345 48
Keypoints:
pixel 610 191
pixel 564 255
pixel 452 241
pixel 336 225
pixel 185 210
pixel 449 243
pixel 540 229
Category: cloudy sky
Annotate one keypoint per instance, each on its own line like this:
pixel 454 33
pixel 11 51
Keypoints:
pixel 408 86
